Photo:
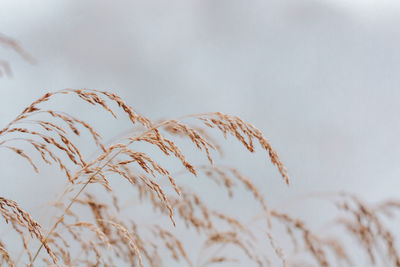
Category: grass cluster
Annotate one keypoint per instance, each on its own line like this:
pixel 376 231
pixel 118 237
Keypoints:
pixel 92 229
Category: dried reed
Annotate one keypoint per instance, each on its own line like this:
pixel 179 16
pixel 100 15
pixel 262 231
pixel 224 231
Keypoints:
pixel 12 44
pixel 51 139
pixel 104 236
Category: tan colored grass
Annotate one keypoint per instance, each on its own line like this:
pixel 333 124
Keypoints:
pixel 104 236
pixel 13 214
pixel 5 256
pixel 12 44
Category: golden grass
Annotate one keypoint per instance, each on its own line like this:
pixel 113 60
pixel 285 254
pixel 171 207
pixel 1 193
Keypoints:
pixel 54 145
pixel 5 68
pixel 92 229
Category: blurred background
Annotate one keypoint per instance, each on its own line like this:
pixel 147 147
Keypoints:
pixel 319 78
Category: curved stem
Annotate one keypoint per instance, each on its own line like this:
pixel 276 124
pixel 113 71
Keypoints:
pixel 61 218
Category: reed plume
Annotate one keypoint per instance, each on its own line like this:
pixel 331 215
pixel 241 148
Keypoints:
pixel 9 43
pixel 51 140
pixel 94 228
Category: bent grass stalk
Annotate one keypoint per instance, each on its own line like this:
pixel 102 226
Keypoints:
pixel 364 223
pixel 60 219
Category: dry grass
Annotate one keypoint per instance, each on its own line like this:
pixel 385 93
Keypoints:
pixel 7 42
pixel 53 143
pixel 94 229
